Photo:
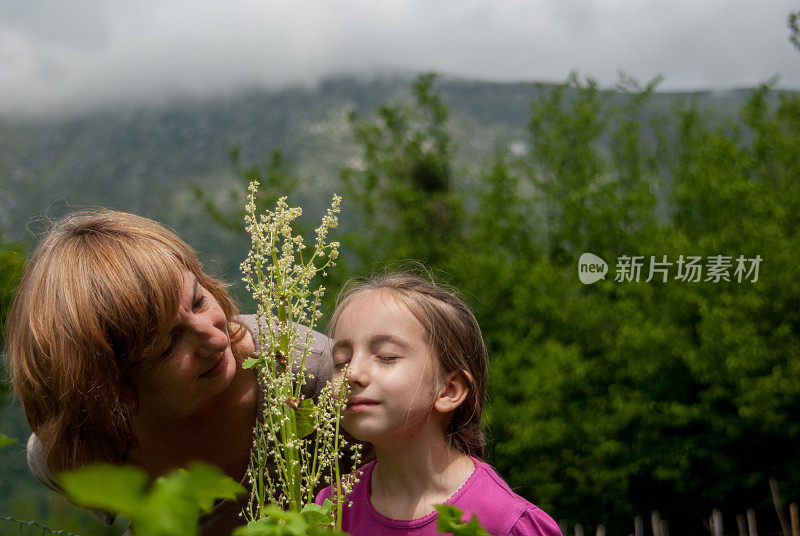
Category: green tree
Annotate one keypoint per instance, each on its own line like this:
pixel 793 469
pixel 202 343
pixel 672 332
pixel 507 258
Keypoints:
pixel 794 28
pixel 610 400
pixel 669 396
pixel 276 180
pixel 12 260
pixel 404 198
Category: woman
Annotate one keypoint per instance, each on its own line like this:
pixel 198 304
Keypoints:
pixel 122 350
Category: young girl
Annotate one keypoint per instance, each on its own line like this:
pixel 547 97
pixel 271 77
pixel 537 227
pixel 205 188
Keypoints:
pixel 417 366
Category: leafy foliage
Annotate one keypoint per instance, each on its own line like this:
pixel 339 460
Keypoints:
pixel 614 399
pixel 313 520
pixel 6 441
pixel 449 522
pixel 404 183
pixel 12 258
pixel 169 507
pixel 794 28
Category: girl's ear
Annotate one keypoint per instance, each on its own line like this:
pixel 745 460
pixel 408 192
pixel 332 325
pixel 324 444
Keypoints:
pixel 454 389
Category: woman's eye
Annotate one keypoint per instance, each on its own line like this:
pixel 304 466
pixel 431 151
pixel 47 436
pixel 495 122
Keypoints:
pixel 199 302
pixel 340 365
pixel 387 358
pixel 169 348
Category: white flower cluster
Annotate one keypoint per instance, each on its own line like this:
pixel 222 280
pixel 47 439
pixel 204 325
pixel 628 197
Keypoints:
pixel 297 443
pixel 332 402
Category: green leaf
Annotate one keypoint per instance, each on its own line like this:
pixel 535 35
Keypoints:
pixel 449 522
pixel 304 417
pixel 448 515
pixel 113 488
pixel 251 362
pixel 210 483
pixel 275 522
pixel 262 527
pixel 317 514
pixel 6 441
pixel 471 528
pixel 170 507
pixel 180 494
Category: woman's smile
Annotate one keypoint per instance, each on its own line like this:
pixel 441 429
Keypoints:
pixel 218 367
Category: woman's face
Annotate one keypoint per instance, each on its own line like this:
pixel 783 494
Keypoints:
pixel 196 363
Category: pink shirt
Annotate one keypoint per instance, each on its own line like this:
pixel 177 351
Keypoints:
pixel 499 510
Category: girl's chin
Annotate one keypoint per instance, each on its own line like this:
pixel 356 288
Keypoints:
pixel 373 437
pixel 356 432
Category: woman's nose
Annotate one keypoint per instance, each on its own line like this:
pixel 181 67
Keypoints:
pixel 210 335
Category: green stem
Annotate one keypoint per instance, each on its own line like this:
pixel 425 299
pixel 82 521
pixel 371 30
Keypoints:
pixel 262 494
pixel 313 471
pixel 339 498
pixel 338 481
pixel 293 456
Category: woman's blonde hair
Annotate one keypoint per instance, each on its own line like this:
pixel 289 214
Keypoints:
pixel 453 337
pixel 98 292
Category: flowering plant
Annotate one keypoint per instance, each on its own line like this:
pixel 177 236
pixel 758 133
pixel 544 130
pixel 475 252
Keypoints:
pixel 289 460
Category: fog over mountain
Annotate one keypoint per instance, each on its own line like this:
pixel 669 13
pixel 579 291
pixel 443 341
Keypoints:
pixel 58 57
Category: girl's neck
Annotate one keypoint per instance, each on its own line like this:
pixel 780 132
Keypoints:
pixel 410 477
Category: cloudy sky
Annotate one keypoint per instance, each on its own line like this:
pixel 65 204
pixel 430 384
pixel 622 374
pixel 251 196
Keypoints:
pixel 57 55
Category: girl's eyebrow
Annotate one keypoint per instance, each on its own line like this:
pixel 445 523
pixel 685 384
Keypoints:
pixel 374 341
pixel 338 345
pixel 391 339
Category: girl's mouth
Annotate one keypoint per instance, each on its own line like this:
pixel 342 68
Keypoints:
pixel 359 404
pixel 219 366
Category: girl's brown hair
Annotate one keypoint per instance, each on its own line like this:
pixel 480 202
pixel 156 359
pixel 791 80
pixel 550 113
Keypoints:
pixel 98 292
pixel 454 338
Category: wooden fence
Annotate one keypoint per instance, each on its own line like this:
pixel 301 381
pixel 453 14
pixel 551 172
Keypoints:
pixel 746 524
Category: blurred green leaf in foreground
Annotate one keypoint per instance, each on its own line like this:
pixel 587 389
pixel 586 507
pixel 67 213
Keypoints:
pixel 169 507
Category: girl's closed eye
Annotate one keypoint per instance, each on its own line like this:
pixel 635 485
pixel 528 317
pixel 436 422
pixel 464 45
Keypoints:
pixel 387 358
pixel 341 358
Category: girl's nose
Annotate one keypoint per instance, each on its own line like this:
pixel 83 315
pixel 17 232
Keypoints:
pixel 357 372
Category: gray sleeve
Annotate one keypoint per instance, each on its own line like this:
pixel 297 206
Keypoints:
pixel 319 363
pixel 38 466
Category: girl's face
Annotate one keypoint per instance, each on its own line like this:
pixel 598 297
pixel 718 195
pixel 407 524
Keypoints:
pixel 392 374
pixel 196 362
